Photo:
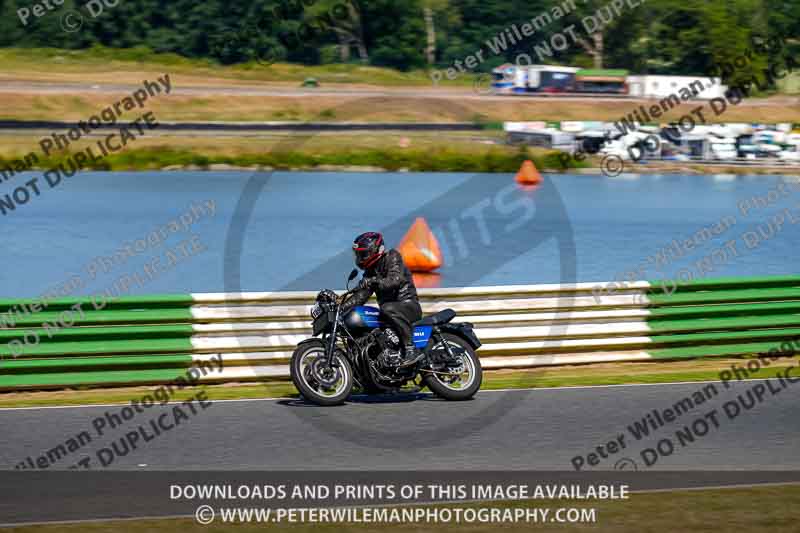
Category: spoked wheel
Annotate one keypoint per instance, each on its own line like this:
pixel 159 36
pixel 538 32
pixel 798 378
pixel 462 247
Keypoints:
pixel 318 382
pixel 461 378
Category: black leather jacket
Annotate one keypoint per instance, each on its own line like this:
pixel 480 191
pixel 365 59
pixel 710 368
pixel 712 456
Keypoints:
pixel 394 281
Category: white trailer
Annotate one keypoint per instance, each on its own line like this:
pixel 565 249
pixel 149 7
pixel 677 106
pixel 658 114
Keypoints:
pixel 551 78
pixel 654 86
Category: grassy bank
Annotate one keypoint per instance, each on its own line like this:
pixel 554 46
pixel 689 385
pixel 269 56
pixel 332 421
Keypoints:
pixel 567 376
pixel 768 509
pixel 433 152
pixel 130 65
pixel 480 151
pixel 204 91
pixel 218 103
pixel 127 65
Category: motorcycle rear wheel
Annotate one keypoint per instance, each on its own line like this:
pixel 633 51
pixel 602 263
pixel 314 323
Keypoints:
pixel 458 385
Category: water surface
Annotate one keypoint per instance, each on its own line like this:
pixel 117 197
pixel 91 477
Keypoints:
pixel 301 225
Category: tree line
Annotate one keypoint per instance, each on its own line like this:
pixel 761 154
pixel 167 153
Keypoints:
pixel 646 36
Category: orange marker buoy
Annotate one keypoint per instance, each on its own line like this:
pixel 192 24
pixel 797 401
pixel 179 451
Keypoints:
pixel 419 248
pixel 427 280
pixel 528 175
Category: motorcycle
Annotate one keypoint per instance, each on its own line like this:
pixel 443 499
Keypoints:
pixel 354 348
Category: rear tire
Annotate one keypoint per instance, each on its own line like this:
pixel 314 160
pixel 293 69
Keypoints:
pixel 456 391
pixel 340 377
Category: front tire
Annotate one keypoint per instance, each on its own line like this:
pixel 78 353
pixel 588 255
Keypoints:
pixel 317 382
pixel 458 385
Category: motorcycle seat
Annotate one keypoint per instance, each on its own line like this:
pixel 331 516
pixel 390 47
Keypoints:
pixel 442 317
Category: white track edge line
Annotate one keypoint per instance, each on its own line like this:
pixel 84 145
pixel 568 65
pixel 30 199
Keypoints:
pixel 528 389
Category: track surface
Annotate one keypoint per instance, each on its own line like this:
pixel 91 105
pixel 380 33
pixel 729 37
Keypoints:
pixel 330 90
pixel 521 429
pixel 270 90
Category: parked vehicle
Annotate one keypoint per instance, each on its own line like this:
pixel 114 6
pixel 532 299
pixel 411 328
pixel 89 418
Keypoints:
pixel 509 78
pixel 545 79
pixel 724 148
pixel 551 79
pixel 790 153
pixel 605 81
pixel 658 86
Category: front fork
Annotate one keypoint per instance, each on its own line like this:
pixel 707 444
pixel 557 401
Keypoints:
pixel 331 348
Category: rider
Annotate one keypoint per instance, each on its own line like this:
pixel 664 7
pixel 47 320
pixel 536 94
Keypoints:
pixel 387 276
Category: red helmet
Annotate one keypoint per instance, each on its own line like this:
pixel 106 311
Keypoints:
pixel 367 249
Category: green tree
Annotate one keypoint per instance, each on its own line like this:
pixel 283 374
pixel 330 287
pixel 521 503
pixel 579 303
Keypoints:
pixel 342 18
pixel 659 36
pixel 394 31
pixel 706 37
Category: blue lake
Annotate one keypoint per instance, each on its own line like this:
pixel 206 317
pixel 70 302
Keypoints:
pixel 294 230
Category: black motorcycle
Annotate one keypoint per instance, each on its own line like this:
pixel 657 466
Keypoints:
pixel 355 348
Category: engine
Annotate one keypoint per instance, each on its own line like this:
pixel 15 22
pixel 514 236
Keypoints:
pixel 375 349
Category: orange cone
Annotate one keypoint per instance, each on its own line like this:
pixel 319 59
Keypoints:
pixel 528 175
pixel 427 280
pixel 419 248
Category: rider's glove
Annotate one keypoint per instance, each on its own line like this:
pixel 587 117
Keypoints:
pixel 369 283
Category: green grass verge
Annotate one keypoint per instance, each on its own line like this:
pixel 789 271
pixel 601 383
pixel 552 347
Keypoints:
pixel 437 159
pixel 769 509
pixel 570 376
pixel 99 59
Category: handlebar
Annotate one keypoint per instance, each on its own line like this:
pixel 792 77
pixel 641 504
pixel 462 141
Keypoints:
pixel 345 294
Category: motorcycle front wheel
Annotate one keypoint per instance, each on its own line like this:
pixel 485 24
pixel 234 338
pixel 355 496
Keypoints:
pixel 463 376
pixel 318 382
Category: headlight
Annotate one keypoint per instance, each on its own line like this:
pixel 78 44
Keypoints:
pixel 316 311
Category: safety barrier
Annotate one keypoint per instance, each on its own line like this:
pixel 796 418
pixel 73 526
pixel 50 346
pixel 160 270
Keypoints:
pixel 156 339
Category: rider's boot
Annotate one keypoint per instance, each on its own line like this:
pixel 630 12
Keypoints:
pixel 411 355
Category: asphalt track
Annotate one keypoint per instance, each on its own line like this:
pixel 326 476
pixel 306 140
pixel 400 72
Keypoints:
pixel 500 430
pixel 329 90
pixel 273 90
